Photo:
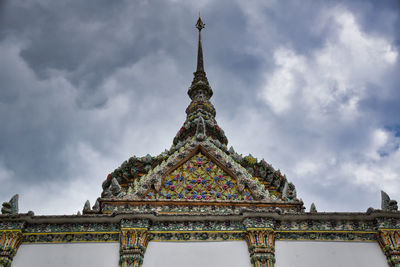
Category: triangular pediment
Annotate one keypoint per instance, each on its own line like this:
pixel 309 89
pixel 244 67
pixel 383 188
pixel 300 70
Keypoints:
pixel 199 178
pixel 199 171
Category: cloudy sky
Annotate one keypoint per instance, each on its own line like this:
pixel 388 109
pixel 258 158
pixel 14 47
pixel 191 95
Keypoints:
pixel 310 86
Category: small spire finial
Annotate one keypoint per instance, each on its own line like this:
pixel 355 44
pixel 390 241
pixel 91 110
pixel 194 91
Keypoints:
pixel 200 82
pixel 200 67
pixel 200 24
pixel 200 93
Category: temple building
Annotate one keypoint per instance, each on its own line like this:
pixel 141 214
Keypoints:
pixel 200 203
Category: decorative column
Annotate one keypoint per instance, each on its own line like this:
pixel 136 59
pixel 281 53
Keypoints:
pixel 133 244
pixel 9 244
pixel 389 240
pixel 261 243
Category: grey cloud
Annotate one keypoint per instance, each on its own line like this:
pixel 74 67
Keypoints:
pixel 86 85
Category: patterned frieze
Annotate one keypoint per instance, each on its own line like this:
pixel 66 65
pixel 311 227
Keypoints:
pixel 388 223
pixel 11 225
pixel 71 227
pixel 259 222
pixel 197 231
pixel 135 223
pixel 71 237
pixel 171 226
pixel 10 240
pixel 71 232
pixel 325 225
pixel 180 236
pixel 192 207
pixel 326 230
pixel 206 225
pixel 326 236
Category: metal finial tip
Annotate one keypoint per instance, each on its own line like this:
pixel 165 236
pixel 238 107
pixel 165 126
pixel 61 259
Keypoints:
pixel 200 24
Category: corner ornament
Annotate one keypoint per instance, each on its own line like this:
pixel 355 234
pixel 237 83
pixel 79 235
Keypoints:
pixel 10 207
pixel 389 240
pixel 133 244
pixel 10 240
pixel 261 244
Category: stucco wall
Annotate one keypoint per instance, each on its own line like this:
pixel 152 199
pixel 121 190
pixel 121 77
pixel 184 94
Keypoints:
pixel 197 254
pixel 67 255
pixel 200 254
pixel 328 254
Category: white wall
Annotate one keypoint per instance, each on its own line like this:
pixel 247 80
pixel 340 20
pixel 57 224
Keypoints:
pixel 201 254
pixel 67 255
pixel 328 254
pixel 197 254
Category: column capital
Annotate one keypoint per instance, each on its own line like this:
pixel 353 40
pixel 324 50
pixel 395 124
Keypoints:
pixel 389 241
pixel 133 244
pixel 261 244
pixel 10 240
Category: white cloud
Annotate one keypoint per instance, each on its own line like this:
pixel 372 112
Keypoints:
pixel 333 78
pixel 282 87
pixel 306 167
pixel 378 140
pixel 383 172
pixel 316 97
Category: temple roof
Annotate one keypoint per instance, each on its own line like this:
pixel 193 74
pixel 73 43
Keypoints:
pixel 199 166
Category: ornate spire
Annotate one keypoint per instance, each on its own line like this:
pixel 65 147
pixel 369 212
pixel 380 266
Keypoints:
pixel 200 82
pixel 200 66
pixel 200 119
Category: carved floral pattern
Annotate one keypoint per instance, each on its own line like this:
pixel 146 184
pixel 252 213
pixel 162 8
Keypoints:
pixel 206 208
pixel 71 237
pixel 197 236
pixel 200 179
pixel 72 227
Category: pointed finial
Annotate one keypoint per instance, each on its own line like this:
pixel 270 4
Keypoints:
pixel 200 65
pixel 115 187
pixel 200 82
pixel 285 191
pixel 313 209
pixel 387 203
pixel 200 24
pixel 86 207
pixel 10 207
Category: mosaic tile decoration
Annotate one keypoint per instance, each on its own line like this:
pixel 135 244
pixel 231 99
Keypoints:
pixel 200 179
